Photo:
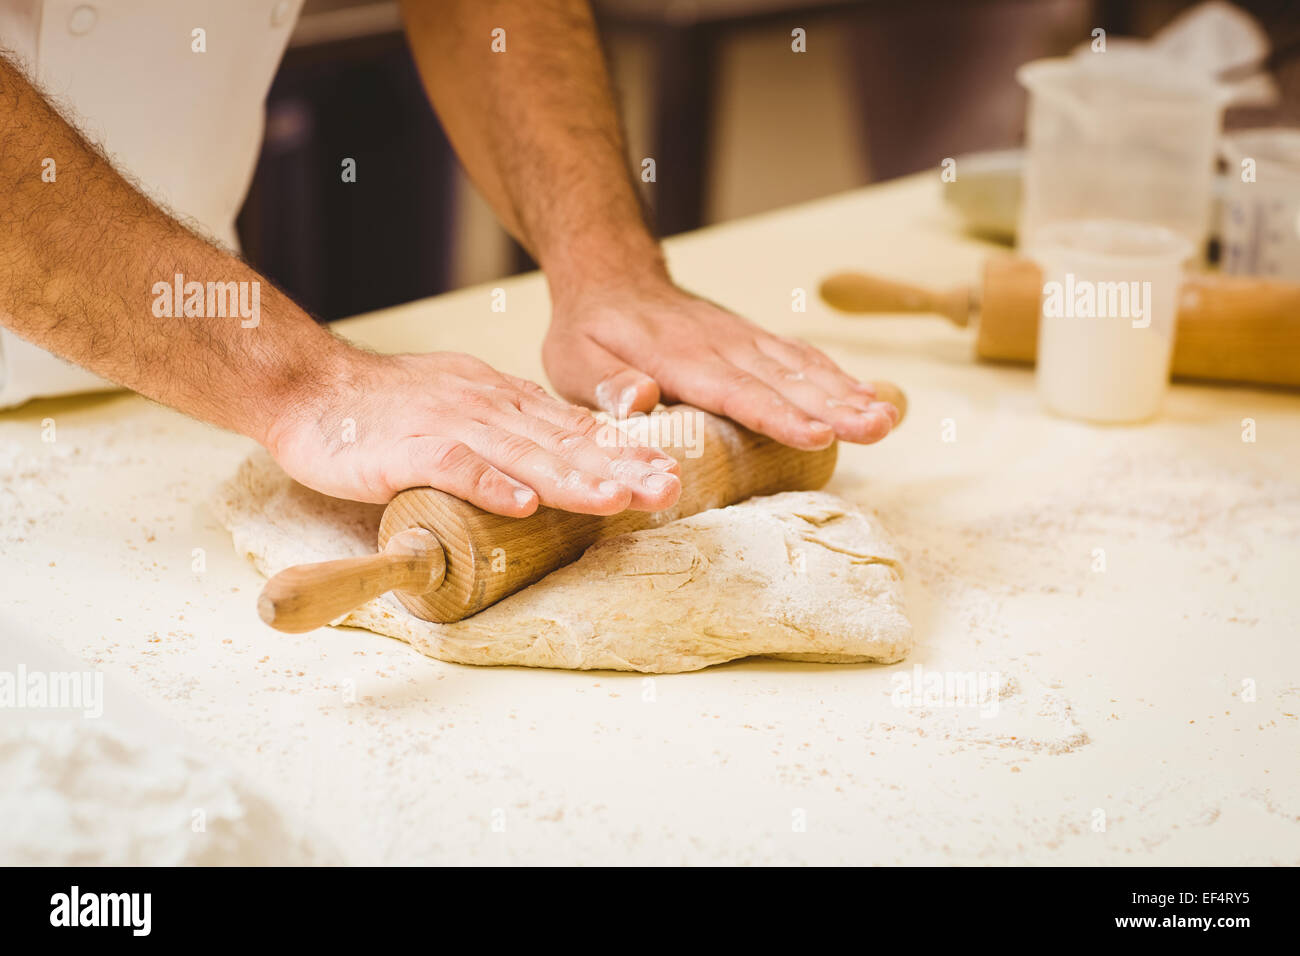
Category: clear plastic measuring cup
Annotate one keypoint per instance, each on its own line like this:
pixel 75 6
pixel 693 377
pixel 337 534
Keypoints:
pixel 1106 326
pixel 1119 138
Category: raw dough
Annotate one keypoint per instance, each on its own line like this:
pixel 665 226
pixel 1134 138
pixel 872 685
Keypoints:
pixel 801 576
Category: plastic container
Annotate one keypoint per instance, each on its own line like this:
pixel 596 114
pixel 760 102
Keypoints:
pixel 1106 326
pixel 1120 138
pixel 1261 219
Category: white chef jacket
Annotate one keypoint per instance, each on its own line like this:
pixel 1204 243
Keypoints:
pixel 185 126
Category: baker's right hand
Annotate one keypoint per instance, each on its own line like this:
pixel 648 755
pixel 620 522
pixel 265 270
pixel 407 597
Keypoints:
pixel 375 425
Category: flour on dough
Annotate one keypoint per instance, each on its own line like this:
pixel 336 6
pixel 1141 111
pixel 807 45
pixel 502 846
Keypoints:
pixel 800 576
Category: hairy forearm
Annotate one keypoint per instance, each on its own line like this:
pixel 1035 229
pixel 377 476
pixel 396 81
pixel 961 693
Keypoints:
pixel 537 129
pixel 83 260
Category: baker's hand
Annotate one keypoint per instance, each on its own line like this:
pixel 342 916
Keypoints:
pixel 626 347
pixel 378 424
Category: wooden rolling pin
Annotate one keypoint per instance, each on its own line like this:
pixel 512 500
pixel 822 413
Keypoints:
pixel 447 559
pixel 1230 328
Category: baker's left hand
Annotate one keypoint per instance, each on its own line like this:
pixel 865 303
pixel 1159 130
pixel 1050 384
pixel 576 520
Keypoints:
pixel 628 346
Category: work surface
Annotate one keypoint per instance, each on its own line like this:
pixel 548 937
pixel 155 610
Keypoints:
pixel 1129 590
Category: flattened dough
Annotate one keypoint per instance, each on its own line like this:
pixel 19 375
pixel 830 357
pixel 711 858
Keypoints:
pixel 801 576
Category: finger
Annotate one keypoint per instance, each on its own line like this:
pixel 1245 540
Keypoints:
pixel 615 440
pixel 453 467
pixel 558 482
pixel 852 418
pixel 539 403
pixel 796 352
pixel 821 370
pixel 819 366
pixel 583 371
pixel 816 364
pixel 837 384
pixel 645 472
pixel 892 395
pixel 529 387
pixel 718 386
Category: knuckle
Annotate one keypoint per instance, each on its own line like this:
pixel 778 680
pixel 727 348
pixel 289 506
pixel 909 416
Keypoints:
pixel 573 479
pixel 735 382
pixel 817 357
pixel 740 390
pixel 506 398
pixel 474 399
pixel 513 448
pixel 610 439
pixel 487 481
pixel 568 443
pixel 582 422
pixel 375 480
pixel 450 457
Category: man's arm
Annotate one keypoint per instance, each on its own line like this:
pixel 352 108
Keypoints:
pixel 80 258
pixel 537 129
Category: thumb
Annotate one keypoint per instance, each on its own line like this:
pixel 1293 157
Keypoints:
pixel 582 370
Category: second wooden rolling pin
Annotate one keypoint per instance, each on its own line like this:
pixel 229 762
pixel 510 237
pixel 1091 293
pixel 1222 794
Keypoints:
pixel 1230 328
pixel 447 559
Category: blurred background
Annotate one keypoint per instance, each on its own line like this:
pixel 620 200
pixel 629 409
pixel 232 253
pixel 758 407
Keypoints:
pixel 736 124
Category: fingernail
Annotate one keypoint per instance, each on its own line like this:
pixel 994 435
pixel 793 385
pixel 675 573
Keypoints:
pixel 609 488
pixel 821 428
pixel 523 497
pixel 625 400
pixel 663 464
pixel 659 483
pixel 865 388
pixel 603 397
pixel 887 409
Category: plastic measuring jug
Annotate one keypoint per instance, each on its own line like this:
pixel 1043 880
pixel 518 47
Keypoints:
pixel 1129 138
pixel 1106 325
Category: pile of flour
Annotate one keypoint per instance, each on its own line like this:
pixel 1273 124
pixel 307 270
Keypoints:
pixel 86 792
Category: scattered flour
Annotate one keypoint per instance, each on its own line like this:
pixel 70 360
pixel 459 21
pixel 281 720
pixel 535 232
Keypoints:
pixel 86 793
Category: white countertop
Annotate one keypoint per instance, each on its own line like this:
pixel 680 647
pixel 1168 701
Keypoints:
pixel 1125 702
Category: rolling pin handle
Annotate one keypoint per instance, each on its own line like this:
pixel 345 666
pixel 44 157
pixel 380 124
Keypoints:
pixel 860 293
pixel 308 596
